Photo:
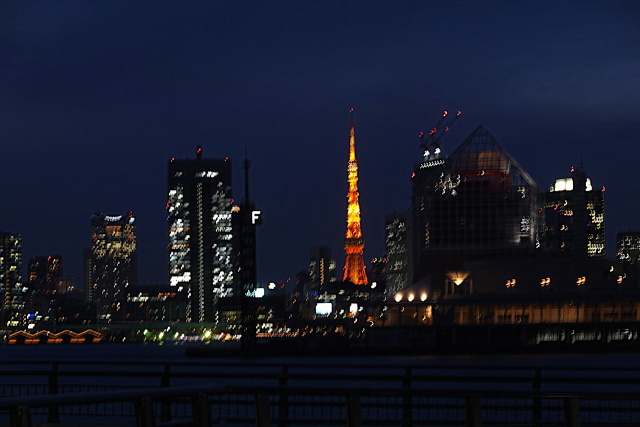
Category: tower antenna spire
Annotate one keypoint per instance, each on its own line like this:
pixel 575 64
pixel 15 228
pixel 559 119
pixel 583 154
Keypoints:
pixel 354 269
pixel 246 164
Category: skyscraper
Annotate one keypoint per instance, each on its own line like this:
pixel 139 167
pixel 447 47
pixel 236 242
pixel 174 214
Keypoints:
pixel 11 278
pixel 574 217
pixel 200 238
pixel 354 269
pixel 113 263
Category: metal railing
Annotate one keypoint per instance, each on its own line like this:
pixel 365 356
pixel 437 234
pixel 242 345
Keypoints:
pixel 322 407
pixel 291 395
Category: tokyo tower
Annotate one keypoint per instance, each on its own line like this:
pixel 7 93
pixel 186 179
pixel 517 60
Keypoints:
pixel 354 270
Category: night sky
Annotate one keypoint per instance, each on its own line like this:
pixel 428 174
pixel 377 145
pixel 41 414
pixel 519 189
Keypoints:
pixel 96 97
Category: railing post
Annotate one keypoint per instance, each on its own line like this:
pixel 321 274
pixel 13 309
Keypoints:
pixel 407 407
pixel 354 411
pixel 165 404
pixel 474 415
pixel 283 407
pixel 263 416
pixel 537 400
pixel 144 412
pixel 200 410
pixel 571 412
pixel 20 416
pixel 53 414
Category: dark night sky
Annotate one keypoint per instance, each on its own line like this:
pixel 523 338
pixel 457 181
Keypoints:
pixel 95 97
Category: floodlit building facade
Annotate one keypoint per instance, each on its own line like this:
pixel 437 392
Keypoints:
pixel 200 238
pixel 112 263
pixel 11 278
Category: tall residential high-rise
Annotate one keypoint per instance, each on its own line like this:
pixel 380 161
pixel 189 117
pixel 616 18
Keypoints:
pixel 200 238
pixel 11 278
pixel 477 203
pixel 574 217
pixel 354 269
pixel 113 264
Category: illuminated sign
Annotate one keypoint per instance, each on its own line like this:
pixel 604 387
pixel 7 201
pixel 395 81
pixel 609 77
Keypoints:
pixel 112 218
pixel 256 217
pixel 324 308
pixel 432 163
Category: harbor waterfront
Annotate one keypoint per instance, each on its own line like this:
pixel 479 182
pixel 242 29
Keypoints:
pixel 325 340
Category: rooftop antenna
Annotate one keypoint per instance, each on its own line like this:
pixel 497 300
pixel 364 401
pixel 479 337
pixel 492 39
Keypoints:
pixel 430 142
pixel 246 164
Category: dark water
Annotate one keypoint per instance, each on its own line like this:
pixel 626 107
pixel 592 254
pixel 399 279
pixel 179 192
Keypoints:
pixel 176 353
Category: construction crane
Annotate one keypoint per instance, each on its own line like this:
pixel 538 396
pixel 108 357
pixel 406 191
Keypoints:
pixel 430 142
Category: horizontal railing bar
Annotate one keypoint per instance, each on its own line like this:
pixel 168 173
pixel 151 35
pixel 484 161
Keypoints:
pixel 244 364
pixel 72 399
pixel 158 392
pixel 327 376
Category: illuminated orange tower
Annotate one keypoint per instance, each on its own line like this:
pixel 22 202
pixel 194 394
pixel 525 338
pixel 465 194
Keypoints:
pixel 354 270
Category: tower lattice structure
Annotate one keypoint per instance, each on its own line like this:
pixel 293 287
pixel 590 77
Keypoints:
pixel 354 269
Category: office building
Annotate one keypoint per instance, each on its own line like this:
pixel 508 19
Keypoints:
pixel 574 217
pixel 11 278
pixel 322 268
pixel 65 285
pixel 200 238
pixel 112 263
pixel 628 254
pixel 478 203
pixel 399 246
pixel 44 273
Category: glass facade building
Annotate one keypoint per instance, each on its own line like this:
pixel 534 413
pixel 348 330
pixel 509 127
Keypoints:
pixel 477 203
pixel 200 238
pixel 112 263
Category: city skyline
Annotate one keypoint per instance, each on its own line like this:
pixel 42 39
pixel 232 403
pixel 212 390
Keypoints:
pixel 92 111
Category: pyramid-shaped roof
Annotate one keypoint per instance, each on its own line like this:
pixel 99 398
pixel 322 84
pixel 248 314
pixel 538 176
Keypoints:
pixel 480 153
